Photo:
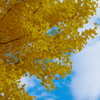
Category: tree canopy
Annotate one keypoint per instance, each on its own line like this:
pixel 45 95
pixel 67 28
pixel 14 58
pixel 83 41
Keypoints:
pixel 26 45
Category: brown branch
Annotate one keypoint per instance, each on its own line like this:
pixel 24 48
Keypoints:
pixel 12 40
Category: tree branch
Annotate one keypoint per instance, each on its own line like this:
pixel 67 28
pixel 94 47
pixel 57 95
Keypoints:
pixel 12 40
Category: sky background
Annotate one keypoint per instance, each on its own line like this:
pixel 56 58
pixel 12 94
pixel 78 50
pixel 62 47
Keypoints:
pixel 83 83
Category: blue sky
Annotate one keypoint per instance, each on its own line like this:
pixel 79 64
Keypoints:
pixel 83 83
pixel 62 91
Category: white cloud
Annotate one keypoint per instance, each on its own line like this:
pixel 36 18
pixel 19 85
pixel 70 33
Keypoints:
pixel 42 95
pixel 50 99
pixel 45 96
pixel 85 84
pixel 29 82
pixel 41 88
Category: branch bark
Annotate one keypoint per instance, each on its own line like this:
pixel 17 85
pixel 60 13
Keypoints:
pixel 12 40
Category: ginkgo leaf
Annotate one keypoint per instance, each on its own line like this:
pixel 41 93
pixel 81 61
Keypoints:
pixel 35 35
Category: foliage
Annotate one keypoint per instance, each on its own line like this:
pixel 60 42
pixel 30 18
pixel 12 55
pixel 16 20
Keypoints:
pixel 25 45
